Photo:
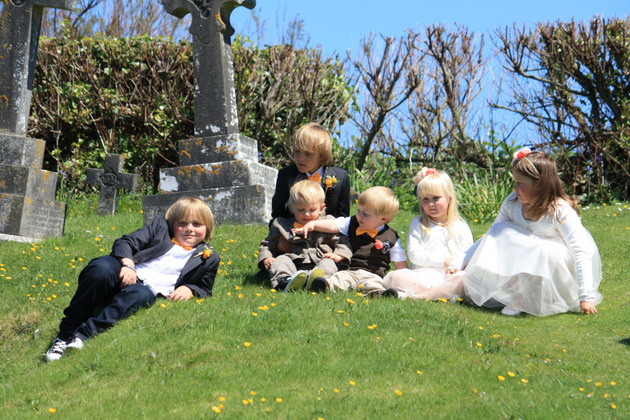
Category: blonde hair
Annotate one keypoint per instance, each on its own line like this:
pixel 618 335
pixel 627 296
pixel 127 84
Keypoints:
pixel 307 191
pixel 194 208
pixel 313 138
pixel 440 184
pixel 381 200
pixel 541 168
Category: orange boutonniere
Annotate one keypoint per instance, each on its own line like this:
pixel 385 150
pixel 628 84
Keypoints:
pixel 205 253
pixel 329 181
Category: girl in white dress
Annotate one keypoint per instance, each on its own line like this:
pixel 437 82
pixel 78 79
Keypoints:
pixel 436 243
pixel 537 257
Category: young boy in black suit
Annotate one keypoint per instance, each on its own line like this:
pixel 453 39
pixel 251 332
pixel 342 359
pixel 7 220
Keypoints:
pixel 168 257
pixel 312 154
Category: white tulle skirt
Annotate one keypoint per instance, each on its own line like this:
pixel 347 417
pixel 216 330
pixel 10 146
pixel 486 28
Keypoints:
pixel 513 267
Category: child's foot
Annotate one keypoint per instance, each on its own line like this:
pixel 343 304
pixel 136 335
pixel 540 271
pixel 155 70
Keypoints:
pixel 75 343
pixel 56 351
pixel 510 311
pixel 316 273
pixel 391 292
pixel 318 285
pixel 296 282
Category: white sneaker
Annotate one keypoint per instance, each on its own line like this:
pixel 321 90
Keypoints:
pixel 75 343
pixel 56 351
pixel 510 311
pixel 296 282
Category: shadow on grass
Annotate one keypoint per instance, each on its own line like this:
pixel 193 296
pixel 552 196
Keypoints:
pixel 625 341
pixel 261 278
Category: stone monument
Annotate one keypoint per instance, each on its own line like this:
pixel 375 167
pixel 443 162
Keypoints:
pixel 111 179
pixel 219 165
pixel 28 210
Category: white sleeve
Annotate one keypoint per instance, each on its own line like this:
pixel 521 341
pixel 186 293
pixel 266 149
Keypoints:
pixel 397 253
pixel 583 250
pixel 463 240
pixel 343 223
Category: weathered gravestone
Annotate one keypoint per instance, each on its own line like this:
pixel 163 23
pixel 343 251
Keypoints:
pixel 28 210
pixel 111 179
pixel 219 165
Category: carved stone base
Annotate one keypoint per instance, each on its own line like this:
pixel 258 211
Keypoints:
pixel 30 218
pixel 237 205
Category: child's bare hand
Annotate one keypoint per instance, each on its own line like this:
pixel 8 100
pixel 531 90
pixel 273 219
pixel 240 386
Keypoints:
pixel 304 230
pixel 588 307
pixel 267 262
pixel 127 277
pixel 336 258
pixel 181 293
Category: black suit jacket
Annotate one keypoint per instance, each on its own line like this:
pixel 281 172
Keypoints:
pixel 337 195
pixel 155 240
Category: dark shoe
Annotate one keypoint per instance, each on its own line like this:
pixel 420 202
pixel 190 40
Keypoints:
pixel 318 285
pixel 317 272
pixel 56 351
pixel 390 293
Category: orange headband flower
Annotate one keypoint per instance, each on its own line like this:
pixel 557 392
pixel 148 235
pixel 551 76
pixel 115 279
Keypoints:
pixel 522 154
pixel 423 172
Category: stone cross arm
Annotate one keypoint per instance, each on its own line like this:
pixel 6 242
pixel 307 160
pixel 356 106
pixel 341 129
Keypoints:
pixel 208 16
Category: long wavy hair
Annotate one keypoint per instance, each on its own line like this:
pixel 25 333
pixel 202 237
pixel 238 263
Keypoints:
pixel 541 168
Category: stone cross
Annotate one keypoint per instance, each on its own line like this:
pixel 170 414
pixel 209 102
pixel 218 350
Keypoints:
pixel 20 23
pixel 111 179
pixel 215 97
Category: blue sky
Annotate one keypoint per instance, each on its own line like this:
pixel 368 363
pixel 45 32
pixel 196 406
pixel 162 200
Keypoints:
pixel 339 25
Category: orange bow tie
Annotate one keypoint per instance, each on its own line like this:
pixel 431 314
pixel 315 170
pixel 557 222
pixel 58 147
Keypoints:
pixel 371 232
pixel 316 177
pixel 176 242
pixel 297 225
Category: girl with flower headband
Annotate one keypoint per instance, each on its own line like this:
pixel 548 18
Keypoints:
pixel 168 257
pixel 436 243
pixel 537 257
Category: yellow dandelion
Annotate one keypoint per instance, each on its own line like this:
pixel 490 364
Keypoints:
pixel 272 304
pixel 598 384
pixel 524 380
pixel 240 296
pixel 346 324
pixel 245 402
pixel 613 383
pixel 480 327
pixel 263 308
pixel 352 383
pixel 613 406
pixel 419 372
pixel 247 344
pixel 254 314
pixel 398 392
pixel 340 311
pixel 237 287
pixel 253 393
pixel 162 305
pixel 278 400
pixel 216 409
pixel 258 294
pixel 336 390
pixel 501 378
pixel 511 374
pixel 349 300
pixel 581 389
pixel 52 410
pixel 479 344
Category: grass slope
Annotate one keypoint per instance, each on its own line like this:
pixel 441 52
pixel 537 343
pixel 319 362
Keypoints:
pixel 249 352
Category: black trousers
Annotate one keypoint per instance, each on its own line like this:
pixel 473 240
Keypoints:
pixel 99 286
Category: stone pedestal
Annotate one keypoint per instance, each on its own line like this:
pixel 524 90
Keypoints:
pixel 222 170
pixel 28 210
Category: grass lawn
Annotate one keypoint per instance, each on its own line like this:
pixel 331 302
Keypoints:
pixel 250 352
